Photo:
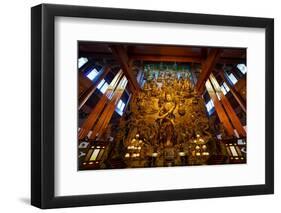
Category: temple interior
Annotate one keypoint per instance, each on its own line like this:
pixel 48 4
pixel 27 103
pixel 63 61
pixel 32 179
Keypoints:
pixel 143 105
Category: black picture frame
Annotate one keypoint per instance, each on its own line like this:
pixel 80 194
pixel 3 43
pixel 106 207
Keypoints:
pixel 43 117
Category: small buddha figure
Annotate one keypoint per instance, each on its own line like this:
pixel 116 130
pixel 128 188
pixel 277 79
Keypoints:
pixel 147 88
pixel 168 104
pixel 154 90
pixel 181 107
pixel 141 102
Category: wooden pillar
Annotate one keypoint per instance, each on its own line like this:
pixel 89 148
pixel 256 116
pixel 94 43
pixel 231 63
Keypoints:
pixel 219 109
pixel 95 113
pixel 228 108
pixel 234 92
pixel 107 113
pixel 121 55
pixel 87 94
pixel 207 69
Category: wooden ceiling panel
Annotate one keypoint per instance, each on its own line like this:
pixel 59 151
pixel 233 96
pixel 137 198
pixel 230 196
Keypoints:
pixel 158 53
pixel 164 50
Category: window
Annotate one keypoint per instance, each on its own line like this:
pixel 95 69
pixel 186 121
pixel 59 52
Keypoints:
pixel 101 83
pixel 120 107
pixel 233 151
pixel 94 155
pixel 242 68
pixel 232 78
pixel 104 87
pixel 210 107
pixel 92 74
pixel 82 61
pixel 224 88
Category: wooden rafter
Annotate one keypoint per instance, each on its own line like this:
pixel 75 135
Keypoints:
pixel 87 94
pixel 95 113
pixel 234 92
pixel 207 69
pixel 219 109
pixel 105 117
pixel 120 54
pixel 228 108
pixel 162 58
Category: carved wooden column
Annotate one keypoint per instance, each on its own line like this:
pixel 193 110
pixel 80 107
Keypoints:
pixel 228 108
pixel 87 94
pixel 219 109
pixel 95 113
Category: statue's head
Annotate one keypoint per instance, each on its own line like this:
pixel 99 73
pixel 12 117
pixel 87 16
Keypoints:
pixel 168 97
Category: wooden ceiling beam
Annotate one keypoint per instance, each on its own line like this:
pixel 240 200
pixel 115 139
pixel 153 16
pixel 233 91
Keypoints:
pixel 162 58
pixel 87 94
pixel 228 108
pixel 207 68
pixel 121 56
pixel 98 109
pixel 235 61
pixel 219 109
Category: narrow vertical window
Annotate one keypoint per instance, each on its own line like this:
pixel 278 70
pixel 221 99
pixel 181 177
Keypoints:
pixel 224 88
pixel 104 87
pixel 120 107
pixel 100 84
pixel 232 78
pixel 210 107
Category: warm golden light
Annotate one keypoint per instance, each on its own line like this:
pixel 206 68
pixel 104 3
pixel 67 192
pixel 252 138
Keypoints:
pixel 181 154
pixel 154 154
pixel 127 155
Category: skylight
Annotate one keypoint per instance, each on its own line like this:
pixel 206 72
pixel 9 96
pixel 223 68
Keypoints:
pixel 92 74
pixel 100 84
pixel 104 87
pixel 120 107
pixel 210 106
pixel 242 68
pixel 82 61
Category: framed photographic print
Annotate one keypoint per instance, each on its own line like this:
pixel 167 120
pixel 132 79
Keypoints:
pixel 140 106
